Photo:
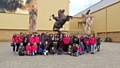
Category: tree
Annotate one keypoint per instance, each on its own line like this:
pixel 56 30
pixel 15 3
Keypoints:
pixel 12 5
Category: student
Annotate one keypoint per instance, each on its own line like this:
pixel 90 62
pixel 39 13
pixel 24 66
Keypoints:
pixel 32 39
pixel 79 50
pixel 75 40
pixel 54 45
pixel 70 50
pixel 40 49
pixel 46 47
pixel 25 40
pixel 37 39
pixel 60 45
pixel 21 51
pixel 66 41
pixel 76 50
pixel 17 42
pixel 93 44
pixel 87 44
pixel 81 43
pixel 34 48
pixel 43 37
pixel 50 42
pixel 98 43
pixel 21 38
pixel 13 44
pixel 28 49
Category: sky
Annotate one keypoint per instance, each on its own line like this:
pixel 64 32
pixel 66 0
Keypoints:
pixel 77 6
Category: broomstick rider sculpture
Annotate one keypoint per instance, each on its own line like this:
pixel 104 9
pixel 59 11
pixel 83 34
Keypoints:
pixel 60 20
pixel 32 19
pixel 87 22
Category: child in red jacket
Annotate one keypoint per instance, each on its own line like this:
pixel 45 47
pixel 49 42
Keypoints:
pixel 21 38
pixel 37 40
pixel 93 44
pixel 87 44
pixel 66 41
pixel 32 39
pixel 34 48
pixel 13 44
pixel 28 49
pixel 17 43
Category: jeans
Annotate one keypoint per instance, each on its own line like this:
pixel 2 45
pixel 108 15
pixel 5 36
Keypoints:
pixel 88 48
pixel 82 46
pixel 93 48
pixel 17 45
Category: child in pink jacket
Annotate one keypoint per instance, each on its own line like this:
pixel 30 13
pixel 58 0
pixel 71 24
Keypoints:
pixel 32 39
pixel 34 48
pixel 28 49
pixel 93 44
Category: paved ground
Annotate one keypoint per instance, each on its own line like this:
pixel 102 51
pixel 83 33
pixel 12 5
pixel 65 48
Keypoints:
pixel 109 57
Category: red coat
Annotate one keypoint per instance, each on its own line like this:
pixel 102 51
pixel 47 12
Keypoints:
pixel 66 40
pixel 16 39
pixel 92 40
pixel 28 48
pixel 37 39
pixel 32 40
pixel 20 38
pixel 87 42
pixel 34 48
pixel 13 38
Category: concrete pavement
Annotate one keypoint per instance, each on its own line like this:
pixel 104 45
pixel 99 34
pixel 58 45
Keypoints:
pixel 108 57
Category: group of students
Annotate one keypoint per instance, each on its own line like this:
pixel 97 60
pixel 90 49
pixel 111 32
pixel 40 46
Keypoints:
pixel 46 44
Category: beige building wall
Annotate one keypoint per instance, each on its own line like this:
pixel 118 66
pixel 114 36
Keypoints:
pixel 113 18
pixel 99 24
pixel 13 21
pixel 75 25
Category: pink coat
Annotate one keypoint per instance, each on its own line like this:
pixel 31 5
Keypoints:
pixel 28 49
pixel 34 48
pixel 92 40
pixel 32 40
pixel 87 42
pixel 66 40
pixel 80 50
pixel 20 38
pixel 16 40
pixel 13 38
pixel 37 39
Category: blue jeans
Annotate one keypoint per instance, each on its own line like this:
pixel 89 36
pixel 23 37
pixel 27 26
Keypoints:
pixel 82 46
pixel 93 48
pixel 88 48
